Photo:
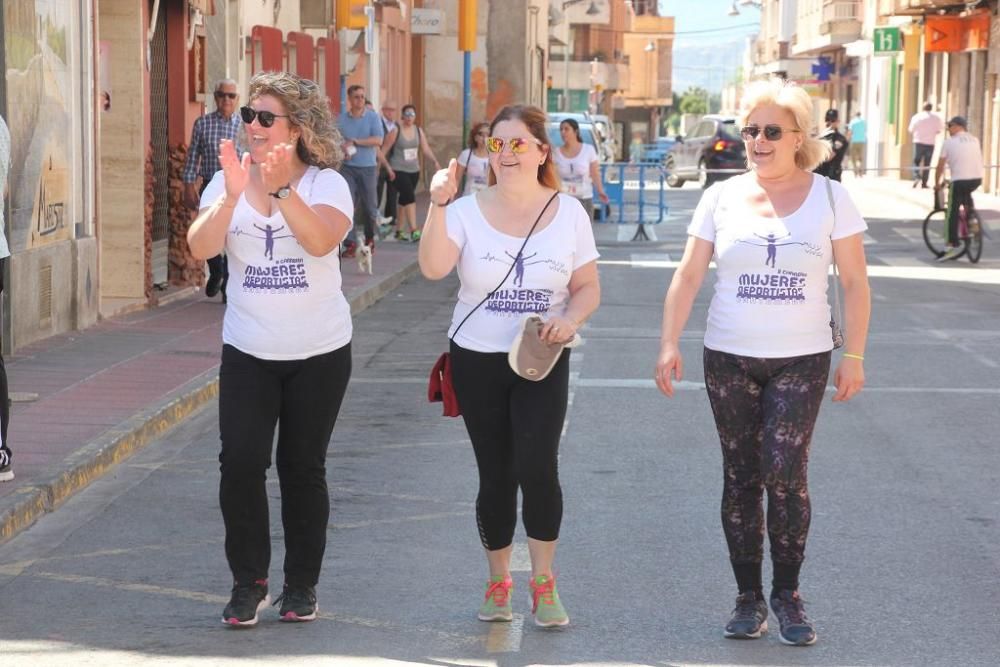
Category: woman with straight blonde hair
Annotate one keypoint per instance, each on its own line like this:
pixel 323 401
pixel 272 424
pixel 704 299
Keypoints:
pixel 521 249
pixel 773 233
pixel 280 211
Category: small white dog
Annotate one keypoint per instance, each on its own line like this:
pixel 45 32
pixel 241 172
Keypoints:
pixel 364 257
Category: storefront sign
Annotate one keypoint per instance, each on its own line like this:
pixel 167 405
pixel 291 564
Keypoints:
pixel 887 40
pixel 427 21
pixel 950 34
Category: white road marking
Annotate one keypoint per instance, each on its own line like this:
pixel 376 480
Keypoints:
pixel 912 234
pixel 520 559
pixel 977 275
pixel 685 385
pixel 626 231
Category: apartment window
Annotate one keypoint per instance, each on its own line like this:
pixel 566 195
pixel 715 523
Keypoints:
pixel 316 13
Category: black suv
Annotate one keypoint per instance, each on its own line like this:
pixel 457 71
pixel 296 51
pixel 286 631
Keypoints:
pixel 714 143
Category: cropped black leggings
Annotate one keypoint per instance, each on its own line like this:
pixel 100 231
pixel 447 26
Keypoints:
pixel 515 426
pixel 765 411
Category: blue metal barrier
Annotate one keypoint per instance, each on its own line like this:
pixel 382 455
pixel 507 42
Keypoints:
pixel 636 194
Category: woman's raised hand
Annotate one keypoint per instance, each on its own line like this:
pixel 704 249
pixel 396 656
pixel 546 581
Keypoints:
pixel 444 184
pixel 235 170
pixel 276 170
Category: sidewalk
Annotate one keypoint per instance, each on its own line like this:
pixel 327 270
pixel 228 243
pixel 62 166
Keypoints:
pixel 108 391
pixel 893 189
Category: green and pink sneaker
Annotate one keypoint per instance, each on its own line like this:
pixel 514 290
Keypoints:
pixel 545 605
pixel 496 606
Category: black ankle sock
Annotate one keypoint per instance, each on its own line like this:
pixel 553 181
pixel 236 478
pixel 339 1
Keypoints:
pixel 786 577
pixel 748 578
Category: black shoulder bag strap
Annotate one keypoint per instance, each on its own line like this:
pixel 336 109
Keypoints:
pixel 490 294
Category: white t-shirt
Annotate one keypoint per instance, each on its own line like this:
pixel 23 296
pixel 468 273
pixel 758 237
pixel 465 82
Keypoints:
pixel 760 309
pixel 575 171
pixel 539 285
pixel 964 156
pixel 925 126
pixel 477 170
pixel 283 303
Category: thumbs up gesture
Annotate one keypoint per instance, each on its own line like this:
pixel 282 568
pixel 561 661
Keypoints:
pixel 444 185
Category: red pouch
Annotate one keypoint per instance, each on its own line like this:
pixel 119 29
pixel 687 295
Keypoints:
pixel 440 388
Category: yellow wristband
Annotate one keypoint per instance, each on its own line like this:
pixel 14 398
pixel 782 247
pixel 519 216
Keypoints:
pixel 859 357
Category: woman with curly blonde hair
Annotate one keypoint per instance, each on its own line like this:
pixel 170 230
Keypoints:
pixel 773 233
pixel 280 212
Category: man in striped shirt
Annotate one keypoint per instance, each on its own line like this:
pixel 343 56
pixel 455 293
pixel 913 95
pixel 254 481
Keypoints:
pixel 203 161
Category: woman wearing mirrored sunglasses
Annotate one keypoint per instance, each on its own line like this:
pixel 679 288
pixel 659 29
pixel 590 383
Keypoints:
pixel 513 272
pixel 280 212
pixel 404 159
pixel 773 234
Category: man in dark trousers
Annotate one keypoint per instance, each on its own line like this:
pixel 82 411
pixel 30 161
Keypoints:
pixel 203 160
pixel 833 167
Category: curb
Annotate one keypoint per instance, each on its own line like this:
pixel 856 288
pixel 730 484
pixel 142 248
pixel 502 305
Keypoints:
pixel 94 459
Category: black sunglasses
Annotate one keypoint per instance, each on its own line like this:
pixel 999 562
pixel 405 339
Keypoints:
pixel 220 94
pixel 771 132
pixel 265 118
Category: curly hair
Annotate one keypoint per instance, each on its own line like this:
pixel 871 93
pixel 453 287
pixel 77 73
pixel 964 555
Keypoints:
pixel 535 119
pixel 308 111
pixel 797 102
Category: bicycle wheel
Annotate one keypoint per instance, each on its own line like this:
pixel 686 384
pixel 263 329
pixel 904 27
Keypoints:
pixel 974 244
pixel 936 231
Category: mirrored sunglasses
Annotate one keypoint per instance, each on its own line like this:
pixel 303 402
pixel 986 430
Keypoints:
pixel 771 132
pixel 220 94
pixel 265 118
pixel 517 145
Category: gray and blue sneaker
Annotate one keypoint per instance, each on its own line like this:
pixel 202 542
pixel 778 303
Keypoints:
pixel 796 628
pixel 749 619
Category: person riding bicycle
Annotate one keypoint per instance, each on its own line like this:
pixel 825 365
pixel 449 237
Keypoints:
pixel 962 153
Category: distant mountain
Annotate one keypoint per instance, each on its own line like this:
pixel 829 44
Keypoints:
pixel 708 64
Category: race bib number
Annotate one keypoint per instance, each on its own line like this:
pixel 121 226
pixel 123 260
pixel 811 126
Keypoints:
pixel 409 154
pixel 574 187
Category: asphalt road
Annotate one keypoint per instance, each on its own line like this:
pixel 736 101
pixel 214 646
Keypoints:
pixel 903 562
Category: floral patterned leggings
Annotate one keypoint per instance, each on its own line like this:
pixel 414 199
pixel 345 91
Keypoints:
pixel 765 411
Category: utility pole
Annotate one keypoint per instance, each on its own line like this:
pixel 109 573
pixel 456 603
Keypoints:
pixel 466 44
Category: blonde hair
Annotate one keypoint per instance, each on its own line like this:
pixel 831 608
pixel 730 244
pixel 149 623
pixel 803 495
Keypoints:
pixel 308 111
pixel 797 102
pixel 535 119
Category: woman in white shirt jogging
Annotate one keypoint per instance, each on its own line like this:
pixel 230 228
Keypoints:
pixel 578 166
pixel 514 424
pixel 773 233
pixel 280 213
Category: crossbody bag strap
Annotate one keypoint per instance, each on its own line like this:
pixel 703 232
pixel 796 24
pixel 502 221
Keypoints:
pixel 490 294
pixel 836 281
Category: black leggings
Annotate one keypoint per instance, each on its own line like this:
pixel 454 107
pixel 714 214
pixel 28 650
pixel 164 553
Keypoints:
pixel 515 425
pixel 406 185
pixel 304 396
pixel 765 411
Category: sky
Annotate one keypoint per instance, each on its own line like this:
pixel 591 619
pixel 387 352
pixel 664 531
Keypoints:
pixel 709 15
pixel 708 59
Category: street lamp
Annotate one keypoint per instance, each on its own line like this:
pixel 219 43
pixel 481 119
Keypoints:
pixel 735 11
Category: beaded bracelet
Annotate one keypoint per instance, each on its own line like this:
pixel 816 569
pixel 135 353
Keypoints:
pixel 859 357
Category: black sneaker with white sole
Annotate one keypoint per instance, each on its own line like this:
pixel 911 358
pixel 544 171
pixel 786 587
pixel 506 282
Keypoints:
pixel 6 465
pixel 749 619
pixel 298 604
pixel 245 604
pixel 796 628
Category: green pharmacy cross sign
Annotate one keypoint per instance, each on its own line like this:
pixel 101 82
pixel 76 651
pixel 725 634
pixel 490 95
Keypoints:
pixel 887 40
